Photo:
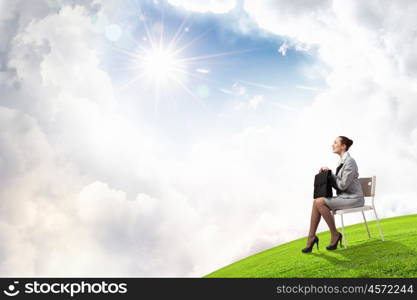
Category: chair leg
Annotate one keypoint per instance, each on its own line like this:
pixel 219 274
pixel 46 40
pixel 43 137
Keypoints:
pixel 343 231
pixel 366 224
pixel 379 225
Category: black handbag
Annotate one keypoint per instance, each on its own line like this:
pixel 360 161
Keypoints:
pixel 322 185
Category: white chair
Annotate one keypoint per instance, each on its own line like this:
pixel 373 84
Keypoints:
pixel 368 188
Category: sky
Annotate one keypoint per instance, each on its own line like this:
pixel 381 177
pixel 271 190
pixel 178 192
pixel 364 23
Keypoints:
pixel 173 137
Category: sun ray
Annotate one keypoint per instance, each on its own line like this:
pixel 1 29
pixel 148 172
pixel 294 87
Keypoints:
pixel 179 50
pixel 219 54
pixel 130 82
pixel 156 93
pixel 137 43
pixel 161 34
pixel 191 93
pixel 132 54
pixel 179 33
pixel 143 19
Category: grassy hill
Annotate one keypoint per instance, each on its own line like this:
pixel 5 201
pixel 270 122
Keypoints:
pixel 364 257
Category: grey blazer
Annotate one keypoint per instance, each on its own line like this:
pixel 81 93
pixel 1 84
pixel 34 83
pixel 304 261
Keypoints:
pixel 346 182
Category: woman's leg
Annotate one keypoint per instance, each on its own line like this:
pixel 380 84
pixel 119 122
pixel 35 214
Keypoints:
pixel 328 217
pixel 314 223
pixel 315 220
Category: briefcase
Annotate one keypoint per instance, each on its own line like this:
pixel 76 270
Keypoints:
pixel 322 184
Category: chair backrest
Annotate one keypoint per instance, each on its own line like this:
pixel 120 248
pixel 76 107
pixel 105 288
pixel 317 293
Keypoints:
pixel 368 186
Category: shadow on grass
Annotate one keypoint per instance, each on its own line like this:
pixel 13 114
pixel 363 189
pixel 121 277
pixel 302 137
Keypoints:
pixel 370 257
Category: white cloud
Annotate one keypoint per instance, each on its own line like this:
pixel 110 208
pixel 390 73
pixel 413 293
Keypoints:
pixel 283 49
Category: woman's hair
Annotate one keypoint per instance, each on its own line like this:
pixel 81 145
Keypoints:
pixel 346 141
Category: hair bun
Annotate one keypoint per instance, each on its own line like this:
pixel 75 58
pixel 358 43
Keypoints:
pixel 350 142
pixel 347 141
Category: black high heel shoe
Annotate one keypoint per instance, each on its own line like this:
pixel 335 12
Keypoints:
pixel 334 246
pixel 308 249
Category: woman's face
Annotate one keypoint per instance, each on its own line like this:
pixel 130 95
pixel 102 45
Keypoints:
pixel 338 147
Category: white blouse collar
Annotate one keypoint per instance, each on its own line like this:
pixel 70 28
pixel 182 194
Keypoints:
pixel 343 158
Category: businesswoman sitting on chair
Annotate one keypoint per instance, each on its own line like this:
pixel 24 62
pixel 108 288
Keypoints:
pixel 349 194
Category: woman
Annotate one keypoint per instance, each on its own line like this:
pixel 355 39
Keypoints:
pixel 349 194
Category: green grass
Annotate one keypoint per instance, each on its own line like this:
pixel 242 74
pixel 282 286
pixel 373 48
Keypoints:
pixel 364 257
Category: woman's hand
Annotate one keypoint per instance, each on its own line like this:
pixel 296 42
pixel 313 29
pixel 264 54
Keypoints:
pixel 323 169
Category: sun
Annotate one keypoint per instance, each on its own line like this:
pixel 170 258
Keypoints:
pixel 161 65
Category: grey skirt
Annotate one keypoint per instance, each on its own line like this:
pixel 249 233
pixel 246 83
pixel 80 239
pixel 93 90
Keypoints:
pixel 337 202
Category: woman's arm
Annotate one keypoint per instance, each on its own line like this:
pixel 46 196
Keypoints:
pixel 343 180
